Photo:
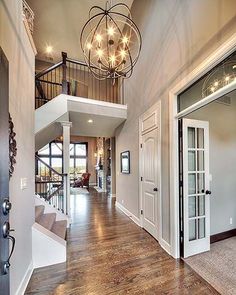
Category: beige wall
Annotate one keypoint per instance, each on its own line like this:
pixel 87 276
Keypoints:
pixel 92 144
pixel 177 36
pixel 15 43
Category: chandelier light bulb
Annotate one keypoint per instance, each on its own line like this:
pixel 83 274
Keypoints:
pixel 227 78
pixel 89 46
pixel 99 53
pixel 99 38
pixel 212 89
pixel 110 31
pixel 216 83
pixel 112 59
pixel 122 53
pixel 125 40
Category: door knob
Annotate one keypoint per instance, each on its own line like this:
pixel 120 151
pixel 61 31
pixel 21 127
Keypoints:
pixel 155 189
pixel 208 192
pixel 6 206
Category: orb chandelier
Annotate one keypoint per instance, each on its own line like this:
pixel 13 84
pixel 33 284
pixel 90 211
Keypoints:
pixel 110 41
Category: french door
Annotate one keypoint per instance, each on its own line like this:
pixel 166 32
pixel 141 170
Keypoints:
pixel 196 190
pixel 150 191
pixel 4 176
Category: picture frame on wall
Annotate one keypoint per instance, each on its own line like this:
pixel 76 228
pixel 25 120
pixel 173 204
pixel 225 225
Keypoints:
pixel 125 162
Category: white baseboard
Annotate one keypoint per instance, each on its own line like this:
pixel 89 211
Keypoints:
pixel 128 213
pixel 24 283
pixel 112 195
pixel 165 246
pixel 162 242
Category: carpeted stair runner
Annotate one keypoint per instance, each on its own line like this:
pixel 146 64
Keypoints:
pixel 48 221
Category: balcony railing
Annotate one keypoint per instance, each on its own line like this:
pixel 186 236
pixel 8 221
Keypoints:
pixel 28 15
pixel 74 78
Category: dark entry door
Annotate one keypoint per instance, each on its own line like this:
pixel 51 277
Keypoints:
pixel 4 174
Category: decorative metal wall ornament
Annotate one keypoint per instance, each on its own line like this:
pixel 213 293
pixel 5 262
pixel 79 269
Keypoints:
pixel 111 41
pixel 12 147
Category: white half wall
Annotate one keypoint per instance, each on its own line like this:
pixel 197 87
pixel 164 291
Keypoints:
pixel 48 248
pixel 106 118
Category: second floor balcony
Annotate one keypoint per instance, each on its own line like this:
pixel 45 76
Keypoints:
pixel 74 78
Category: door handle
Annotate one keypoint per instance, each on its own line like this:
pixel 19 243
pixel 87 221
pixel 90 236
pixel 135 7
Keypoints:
pixel 208 192
pixel 6 206
pixel 6 264
pixel 6 235
pixel 155 189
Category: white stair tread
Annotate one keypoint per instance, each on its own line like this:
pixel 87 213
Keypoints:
pixel 47 220
pixel 39 210
pixel 59 228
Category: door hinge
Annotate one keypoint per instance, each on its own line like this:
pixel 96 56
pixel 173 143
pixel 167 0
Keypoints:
pixel 141 145
pixel 141 211
pixel 141 178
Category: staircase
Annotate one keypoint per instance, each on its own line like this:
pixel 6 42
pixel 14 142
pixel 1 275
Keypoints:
pixel 51 216
pixel 48 220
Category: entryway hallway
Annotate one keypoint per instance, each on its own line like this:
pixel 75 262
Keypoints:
pixel 109 254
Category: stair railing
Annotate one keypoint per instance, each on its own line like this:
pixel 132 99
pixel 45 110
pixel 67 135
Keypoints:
pixel 73 77
pixel 50 185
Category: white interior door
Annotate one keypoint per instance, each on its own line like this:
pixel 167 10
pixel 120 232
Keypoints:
pixel 196 190
pixel 150 190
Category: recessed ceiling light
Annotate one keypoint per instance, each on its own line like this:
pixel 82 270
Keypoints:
pixel 90 121
pixel 49 49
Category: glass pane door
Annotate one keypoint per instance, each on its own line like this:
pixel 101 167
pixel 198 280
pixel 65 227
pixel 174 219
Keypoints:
pixel 196 183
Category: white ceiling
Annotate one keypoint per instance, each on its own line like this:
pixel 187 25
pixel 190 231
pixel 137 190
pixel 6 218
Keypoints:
pixel 58 23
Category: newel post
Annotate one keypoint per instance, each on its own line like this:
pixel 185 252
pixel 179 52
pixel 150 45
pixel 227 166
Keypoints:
pixel 66 126
pixel 64 67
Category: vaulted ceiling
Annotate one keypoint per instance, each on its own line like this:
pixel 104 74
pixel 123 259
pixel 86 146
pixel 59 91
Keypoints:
pixel 58 23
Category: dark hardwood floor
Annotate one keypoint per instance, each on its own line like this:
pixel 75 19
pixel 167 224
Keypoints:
pixel 109 254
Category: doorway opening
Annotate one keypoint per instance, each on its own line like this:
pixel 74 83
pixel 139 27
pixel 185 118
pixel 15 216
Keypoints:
pixel 206 175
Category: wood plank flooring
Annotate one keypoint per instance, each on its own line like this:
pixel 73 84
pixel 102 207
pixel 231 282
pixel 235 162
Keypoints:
pixel 109 254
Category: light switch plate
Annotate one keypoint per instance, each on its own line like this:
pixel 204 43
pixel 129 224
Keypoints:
pixel 23 183
pixel 210 177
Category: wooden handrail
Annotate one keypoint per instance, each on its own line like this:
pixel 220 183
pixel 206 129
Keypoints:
pixel 44 72
pixel 49 167
pixel 78 63
pixel 55 192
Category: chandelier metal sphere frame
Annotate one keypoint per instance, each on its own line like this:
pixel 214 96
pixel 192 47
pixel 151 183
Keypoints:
pixel 111 41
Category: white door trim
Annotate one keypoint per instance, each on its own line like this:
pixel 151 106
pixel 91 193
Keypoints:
pixel 215 58
pixel 156 108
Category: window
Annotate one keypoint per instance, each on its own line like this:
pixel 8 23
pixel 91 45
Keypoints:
pixel 220 76
pixel 78 159
pixel 52 154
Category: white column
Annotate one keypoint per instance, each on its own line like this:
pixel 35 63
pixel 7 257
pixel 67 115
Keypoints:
pixel 66 163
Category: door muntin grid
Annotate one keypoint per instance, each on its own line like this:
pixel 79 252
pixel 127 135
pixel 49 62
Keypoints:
pixel 196 183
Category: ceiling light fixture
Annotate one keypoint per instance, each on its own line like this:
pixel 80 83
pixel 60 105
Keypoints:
pixel 49 49
pixel 90 121
pixel 111 41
